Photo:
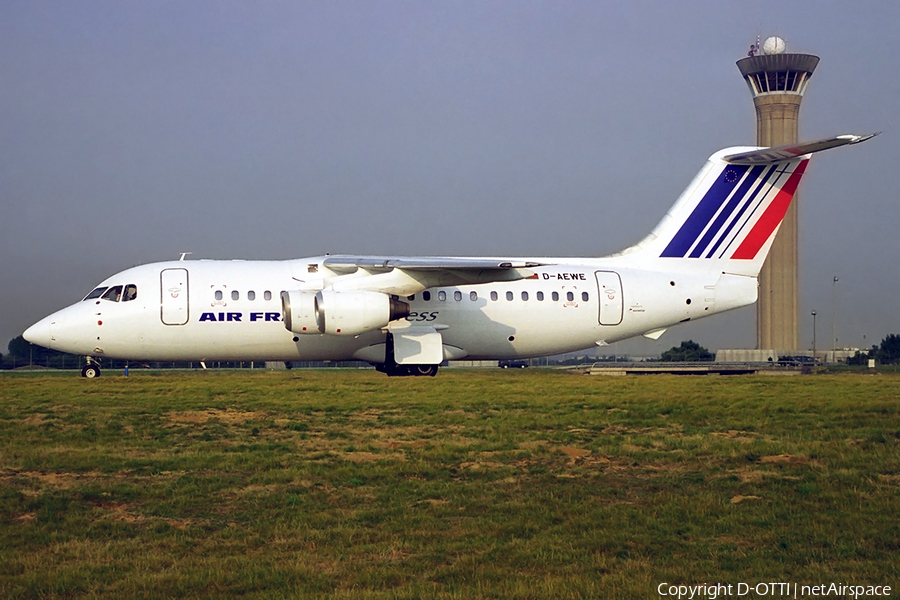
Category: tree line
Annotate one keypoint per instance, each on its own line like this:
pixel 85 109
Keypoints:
pixel 886 353
pixel 22 353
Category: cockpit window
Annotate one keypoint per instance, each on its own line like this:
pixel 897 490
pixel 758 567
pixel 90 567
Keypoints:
pixel 95 294
pixel 113 293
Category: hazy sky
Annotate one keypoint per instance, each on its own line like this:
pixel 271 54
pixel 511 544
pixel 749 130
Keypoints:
pixel 133 131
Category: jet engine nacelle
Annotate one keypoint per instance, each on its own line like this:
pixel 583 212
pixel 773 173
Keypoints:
pixel 339 313
pixel 298 312
pixel 355 312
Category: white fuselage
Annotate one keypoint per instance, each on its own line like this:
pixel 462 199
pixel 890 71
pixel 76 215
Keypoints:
pixel 231 310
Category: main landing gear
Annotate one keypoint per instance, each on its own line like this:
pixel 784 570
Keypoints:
pixel 390 367
pixel 91 370
pixel 396 370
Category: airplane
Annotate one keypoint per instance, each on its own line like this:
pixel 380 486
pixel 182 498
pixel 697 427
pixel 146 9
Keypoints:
pixel 407 315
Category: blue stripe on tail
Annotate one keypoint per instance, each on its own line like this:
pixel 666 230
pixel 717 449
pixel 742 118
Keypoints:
pixel 726 212
pixel 704 212
pixel 760 190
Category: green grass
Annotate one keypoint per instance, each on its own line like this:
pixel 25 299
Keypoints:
pixel 474 484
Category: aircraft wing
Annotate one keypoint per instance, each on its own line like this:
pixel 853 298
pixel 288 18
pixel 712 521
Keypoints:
pixel 779 153
pixel 424 263
pixel 409 275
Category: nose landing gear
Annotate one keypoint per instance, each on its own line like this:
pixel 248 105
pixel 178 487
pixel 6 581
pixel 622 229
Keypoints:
pixel 91 370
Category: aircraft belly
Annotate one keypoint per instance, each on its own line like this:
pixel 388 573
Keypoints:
pixel 332 347
pixel 541 331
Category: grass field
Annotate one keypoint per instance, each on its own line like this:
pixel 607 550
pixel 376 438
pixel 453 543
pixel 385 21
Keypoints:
pixel 474 484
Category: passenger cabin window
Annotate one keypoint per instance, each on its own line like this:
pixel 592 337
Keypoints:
pixel 130 292
pixel 509 296
pixel 570 296
pixel 267 295
pixel 540 296
pixel 113 294
pixel 555 296
pixel 442 295
pixel 473 296
pixel 218 294
pixel 95 294
pixel 251 295
pixel 235 295
pixel 426 296
pixel 494 296
pixel 457 295
pixel 584 296
pixel 525 296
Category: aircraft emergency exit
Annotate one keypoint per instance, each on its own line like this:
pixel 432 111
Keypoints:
pixel 406 315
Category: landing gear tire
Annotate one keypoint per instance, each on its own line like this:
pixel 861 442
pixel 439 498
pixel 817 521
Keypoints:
pixel 91 371
pixel 423 370
pixel 408 370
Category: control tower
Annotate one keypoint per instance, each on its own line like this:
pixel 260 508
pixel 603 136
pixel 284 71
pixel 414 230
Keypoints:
pixel 777 81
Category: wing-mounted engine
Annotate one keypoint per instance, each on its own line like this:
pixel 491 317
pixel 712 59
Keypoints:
pixel 355 312
pixel 299 312
pixel 339 313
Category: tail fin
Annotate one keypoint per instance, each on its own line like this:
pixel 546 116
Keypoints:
pixel 727 218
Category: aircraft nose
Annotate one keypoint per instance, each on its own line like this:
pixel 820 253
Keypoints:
pixel 68 330
pixel 39 333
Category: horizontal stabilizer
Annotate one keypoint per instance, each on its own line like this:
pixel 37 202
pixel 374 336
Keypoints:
pixel 765 156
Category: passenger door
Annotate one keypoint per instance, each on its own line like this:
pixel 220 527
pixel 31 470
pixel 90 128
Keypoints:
pixel 174 296
pixel 609 288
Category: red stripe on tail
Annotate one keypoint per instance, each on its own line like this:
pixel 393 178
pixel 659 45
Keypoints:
pixel 770 219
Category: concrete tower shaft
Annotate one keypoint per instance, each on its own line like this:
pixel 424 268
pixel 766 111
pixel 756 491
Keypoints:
pixel 777 83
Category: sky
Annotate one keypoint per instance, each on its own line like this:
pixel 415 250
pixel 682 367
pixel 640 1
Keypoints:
pixel 134 131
